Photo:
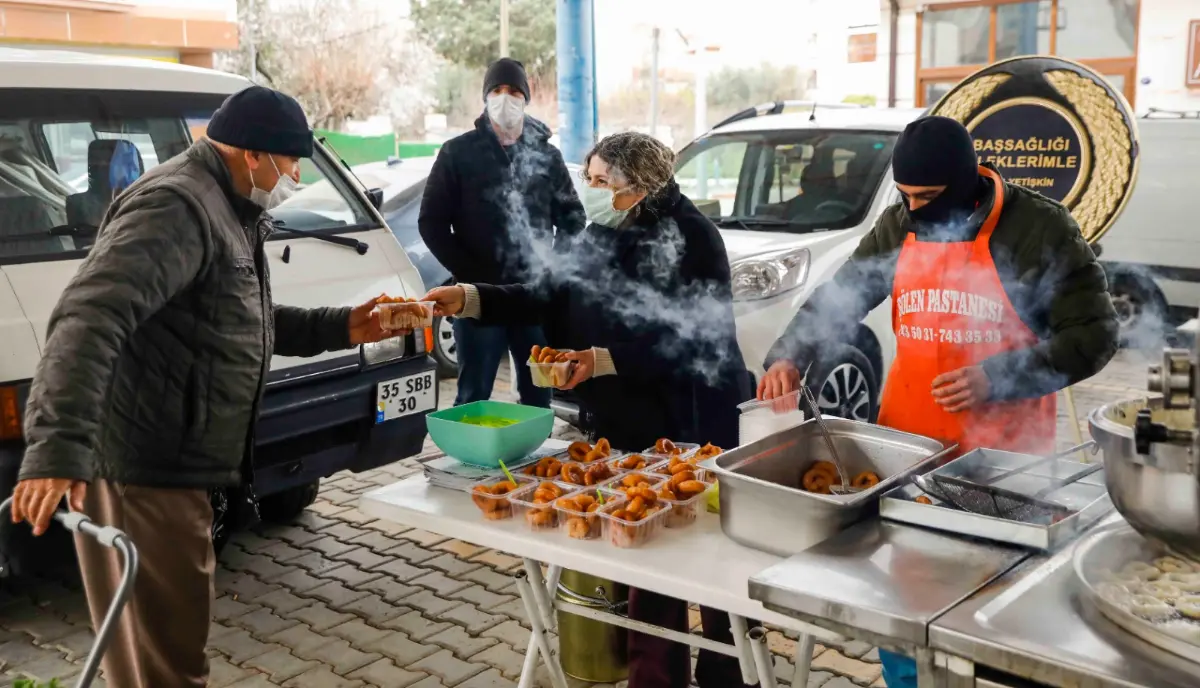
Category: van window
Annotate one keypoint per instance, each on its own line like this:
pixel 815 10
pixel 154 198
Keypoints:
pixel 797 181
pixel 65 154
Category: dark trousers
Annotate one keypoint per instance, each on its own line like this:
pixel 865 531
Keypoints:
pixel 660 663
pixel 480 350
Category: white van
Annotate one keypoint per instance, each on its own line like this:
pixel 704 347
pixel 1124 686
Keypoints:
pixel 1152 252
pixel 60 116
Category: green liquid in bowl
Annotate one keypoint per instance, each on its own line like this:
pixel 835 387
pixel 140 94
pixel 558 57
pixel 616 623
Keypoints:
pixel 488 421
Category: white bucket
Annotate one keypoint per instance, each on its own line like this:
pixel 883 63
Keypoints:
pixel 760 419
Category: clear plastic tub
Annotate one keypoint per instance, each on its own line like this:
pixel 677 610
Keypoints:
pixel 637 462
pixel 550 374
pixel 630 534
pixel 496 507
pixel 582 525
pixel 761 419
pixel 700 474
pixel 622 482
pixel 538 515
pixel 544 464
pixel 577 474
pixel 685 449
pixel 683 512
pixel 410 315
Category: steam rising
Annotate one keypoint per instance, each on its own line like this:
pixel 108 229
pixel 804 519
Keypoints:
pixel 692 324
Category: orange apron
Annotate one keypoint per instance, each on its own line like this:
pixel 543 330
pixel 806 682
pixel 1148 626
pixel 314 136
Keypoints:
pixel 950 311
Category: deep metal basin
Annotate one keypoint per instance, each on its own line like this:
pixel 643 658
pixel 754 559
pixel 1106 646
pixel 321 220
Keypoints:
pixel 1159 493
pixel 763 505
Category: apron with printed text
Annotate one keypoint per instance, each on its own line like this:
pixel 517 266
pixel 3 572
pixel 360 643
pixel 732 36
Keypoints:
pixel 950 311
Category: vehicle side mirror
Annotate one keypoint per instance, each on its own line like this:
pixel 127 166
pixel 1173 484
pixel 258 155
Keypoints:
pixel 375 196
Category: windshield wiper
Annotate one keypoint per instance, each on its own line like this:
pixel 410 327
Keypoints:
pixel 745 220
pixel 350 242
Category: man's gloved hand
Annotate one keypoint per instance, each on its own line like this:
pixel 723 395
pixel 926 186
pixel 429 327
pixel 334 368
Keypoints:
pixel 36 500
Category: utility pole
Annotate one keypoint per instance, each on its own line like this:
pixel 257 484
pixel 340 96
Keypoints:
pixel 252 26
pixel 503 28
pixel 654 83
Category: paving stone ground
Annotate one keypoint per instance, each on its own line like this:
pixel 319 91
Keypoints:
pixel 338 599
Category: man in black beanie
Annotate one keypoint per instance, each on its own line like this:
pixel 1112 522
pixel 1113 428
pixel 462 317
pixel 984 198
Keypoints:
pixel 997 303
pixel 495 197
pixel 152 372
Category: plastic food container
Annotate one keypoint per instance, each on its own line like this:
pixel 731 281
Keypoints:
pixel 496 507
pixel 551 374
pixel 686 449
pixel 410 315
pixel 760 419
pixel 537 516
pixel 574 469
pixel 664 469
pixel 617 485
pixel 582 525
pixel 649 463
pixel 626 534
pixel 681 513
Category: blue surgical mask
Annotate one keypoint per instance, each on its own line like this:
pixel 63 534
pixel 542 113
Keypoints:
pixel 598 205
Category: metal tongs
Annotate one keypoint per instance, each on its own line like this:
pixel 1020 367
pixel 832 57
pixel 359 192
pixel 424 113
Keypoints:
pixel 808 397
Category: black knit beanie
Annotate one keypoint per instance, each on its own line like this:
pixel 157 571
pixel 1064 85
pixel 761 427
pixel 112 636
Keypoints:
pixel 506 72
pixel 263 120
pixel 935 151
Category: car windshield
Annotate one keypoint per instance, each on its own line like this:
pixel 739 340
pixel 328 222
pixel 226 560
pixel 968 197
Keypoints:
pixel 65 154
pixel 791 181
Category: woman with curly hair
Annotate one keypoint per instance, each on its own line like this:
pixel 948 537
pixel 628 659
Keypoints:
pixel 643 298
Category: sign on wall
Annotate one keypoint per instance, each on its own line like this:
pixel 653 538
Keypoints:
pixel 1056 127
pixel 1193 54
pixel 861 47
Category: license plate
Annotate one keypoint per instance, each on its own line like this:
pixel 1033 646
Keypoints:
pixel 405 396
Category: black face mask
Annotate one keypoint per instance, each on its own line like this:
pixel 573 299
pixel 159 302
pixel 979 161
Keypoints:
pixel 954 204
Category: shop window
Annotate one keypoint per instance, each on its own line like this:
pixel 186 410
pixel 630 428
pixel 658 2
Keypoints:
pixel 1022 28
pixel 1090 29
pixel 954 37
pixel 934 90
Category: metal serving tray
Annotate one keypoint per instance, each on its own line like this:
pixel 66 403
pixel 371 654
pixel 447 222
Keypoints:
pixel 763 505
pixel 1087 499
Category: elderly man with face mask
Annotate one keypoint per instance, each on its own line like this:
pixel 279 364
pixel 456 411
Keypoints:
pixel 495 197
pixel 997 303
pixel 154 364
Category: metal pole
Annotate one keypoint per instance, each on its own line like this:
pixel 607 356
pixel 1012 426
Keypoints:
pixel 654 83
pixel 701 121
pixel 503 28
pixel 541 637
pixel 762 657
pixel 576 78
pixel 803 659
pixel 252 25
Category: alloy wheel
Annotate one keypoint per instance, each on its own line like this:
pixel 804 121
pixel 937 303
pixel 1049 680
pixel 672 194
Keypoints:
pixel 845 394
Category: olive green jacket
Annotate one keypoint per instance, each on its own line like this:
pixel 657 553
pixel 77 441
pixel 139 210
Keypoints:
pixel 1048 272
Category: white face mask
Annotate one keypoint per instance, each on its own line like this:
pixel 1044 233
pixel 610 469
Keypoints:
pixel 598 206
pixel 507 112
pixel 284 189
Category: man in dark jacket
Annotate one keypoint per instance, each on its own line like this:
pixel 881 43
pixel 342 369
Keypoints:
pixel 149 384
pixel 997 303
pixel 494 198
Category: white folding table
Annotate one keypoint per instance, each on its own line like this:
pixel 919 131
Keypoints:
pixel 696 563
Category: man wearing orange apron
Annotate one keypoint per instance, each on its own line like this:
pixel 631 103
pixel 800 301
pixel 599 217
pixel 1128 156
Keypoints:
pixel 997 303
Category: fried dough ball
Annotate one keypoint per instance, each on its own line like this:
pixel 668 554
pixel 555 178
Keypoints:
pixel 865 480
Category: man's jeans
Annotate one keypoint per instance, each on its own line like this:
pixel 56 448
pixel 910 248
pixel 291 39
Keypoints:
pixel 480 350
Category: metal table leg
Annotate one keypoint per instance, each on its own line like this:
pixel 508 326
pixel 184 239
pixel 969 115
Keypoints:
pixel 542 593
pixel 540 638
pixel 737 628
pixel 803 658
pixel 762 657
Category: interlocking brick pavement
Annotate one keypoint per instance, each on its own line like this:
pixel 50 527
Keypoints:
pixel 338 599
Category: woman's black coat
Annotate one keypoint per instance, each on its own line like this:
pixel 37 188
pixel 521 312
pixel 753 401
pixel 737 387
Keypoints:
pixel 657 295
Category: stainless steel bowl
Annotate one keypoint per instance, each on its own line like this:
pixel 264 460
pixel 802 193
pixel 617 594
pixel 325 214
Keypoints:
pixel 1159 493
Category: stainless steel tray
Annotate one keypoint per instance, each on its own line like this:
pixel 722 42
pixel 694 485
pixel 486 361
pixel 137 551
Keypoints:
pixel 763 505
pixel 1110 549
pixel 1087 499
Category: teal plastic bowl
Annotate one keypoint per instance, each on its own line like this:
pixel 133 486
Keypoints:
pixel 483 446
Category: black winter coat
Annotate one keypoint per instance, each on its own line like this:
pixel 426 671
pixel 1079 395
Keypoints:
pixel 502 203
pixel 658 296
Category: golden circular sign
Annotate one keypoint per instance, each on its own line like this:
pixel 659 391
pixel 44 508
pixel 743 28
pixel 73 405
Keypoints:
pixel 1056 127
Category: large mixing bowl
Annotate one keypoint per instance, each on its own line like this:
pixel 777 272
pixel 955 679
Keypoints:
pixel 1159 493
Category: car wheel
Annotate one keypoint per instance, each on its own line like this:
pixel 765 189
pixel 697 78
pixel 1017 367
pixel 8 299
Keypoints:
pixel 1141 312
pixel 445 350
pixel 282 507
pixel 844 383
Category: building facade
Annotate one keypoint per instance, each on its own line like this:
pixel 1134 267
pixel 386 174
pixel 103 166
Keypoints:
pixel 185 31
pixel 1148 49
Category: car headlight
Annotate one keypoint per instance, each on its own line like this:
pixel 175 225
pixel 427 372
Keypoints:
pixel 769 274
pixel 384 351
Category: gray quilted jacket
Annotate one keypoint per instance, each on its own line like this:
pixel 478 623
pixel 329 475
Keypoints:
pixel 156 354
